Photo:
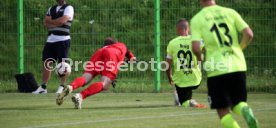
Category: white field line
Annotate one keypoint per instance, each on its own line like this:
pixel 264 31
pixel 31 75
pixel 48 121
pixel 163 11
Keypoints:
pixel 133 118
pixel 118 119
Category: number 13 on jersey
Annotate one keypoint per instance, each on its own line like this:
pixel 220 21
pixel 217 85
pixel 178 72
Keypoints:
pixel 217 29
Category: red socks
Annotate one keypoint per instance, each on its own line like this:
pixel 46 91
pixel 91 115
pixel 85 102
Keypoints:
pixel 92 89
pixel 78 82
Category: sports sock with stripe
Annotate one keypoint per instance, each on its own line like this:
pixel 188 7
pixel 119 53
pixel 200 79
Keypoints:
pixel 244 110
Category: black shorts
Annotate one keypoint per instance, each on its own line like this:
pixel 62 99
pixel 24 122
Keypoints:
pixel 56 50
pixel 184 93
pixel 227 90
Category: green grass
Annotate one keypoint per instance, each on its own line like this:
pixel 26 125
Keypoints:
pixel 260 84
pixel 121 110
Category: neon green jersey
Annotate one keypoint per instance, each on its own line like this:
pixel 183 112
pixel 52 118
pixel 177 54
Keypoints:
pixel 186 72
pixel 218 27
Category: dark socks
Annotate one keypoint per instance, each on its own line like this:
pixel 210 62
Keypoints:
pixel 43 86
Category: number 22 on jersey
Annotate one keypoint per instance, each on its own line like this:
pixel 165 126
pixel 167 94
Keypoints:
pixel 185 59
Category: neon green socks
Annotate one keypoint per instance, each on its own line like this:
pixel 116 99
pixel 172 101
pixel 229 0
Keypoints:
pixel 186 104
pixel 229 122
pixel 238 108
pixel 243 109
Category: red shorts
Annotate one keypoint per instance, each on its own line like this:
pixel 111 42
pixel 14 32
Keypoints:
pixel 104 62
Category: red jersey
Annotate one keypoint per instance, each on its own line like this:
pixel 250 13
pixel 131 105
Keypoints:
pixel 120 50
pixel 111 53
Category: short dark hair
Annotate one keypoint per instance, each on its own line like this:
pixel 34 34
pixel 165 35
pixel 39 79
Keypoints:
pixel 109 41
pixel 183 22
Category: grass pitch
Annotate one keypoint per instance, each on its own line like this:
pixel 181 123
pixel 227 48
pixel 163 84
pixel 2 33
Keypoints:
pixel 121 110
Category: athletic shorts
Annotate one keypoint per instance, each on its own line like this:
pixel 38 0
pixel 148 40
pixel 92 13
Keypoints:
pixel 103 62
pixel 227 90
pixel 185 93
pixel 56 50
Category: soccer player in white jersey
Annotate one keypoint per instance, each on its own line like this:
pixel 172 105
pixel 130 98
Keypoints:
pixel 58 21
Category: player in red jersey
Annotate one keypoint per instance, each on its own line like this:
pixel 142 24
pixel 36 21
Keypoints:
pixel 104 62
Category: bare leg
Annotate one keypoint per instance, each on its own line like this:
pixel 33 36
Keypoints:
pixel 222 112
pixel 46 74
pixel 106 82
pixel 63 79
pixel 88 77
pixel 176 99
pixel 62 83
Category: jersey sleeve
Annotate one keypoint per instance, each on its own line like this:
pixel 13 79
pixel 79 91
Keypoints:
pixel 69 11
pixel 195 30
pixel 48 12
pixel 169 51
pixel 129 54
pixel 239 22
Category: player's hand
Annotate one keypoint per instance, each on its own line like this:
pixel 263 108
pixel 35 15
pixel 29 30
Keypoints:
pixel 171 82
pixel 133 60
pixel 114 83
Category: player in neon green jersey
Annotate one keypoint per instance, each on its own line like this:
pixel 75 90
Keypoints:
pixel 224 60
pixel 186 75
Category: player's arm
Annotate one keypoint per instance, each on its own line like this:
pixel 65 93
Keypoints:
pixel 169 70
pixel 46 23
pixel 68 13
pixel 242 26
pixel 197 50
pixel 247 37
pixel 196 37
pixel 169 59
pixel 56 22
pixel 130 56
pixel 48 18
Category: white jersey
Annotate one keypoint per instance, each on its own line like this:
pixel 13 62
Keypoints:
pixel 68 11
